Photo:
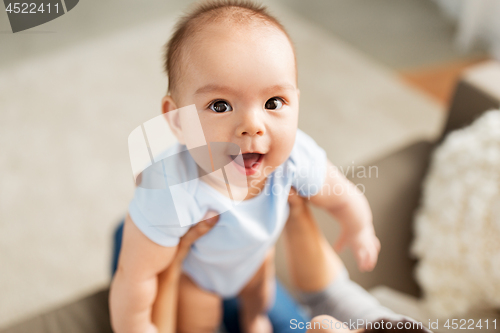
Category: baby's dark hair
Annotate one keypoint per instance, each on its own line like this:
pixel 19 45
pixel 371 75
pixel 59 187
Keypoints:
pixel 386 325
pixel 204 12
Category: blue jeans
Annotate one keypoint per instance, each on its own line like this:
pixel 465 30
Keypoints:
pixel 283 311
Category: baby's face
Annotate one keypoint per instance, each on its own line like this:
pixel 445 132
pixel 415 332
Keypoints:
pixel 243 83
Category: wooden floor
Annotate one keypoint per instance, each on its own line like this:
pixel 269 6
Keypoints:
pixel 439 81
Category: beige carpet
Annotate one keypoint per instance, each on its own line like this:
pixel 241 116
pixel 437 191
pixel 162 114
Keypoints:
pixel 64 170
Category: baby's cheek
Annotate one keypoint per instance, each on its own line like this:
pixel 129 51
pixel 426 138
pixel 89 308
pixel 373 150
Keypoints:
pixel 214 133
pixel 287 142
pixel 214 128
pixel 281 152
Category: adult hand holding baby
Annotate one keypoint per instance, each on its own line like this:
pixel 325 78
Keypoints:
pixel 165 306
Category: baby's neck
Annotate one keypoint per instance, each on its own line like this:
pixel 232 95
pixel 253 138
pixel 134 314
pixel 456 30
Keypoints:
pixel 254 189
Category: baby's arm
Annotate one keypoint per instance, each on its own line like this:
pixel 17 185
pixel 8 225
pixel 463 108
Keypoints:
pixel 349 206
pixel 134 286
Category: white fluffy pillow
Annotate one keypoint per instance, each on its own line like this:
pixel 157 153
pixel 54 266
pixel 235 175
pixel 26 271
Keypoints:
pixel 457 227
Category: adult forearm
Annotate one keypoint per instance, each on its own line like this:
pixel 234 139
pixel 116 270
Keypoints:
pixel 165 306
pixel 131 304
pixel 311 261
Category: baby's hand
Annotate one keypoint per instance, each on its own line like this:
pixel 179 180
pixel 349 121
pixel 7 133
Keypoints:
pixel 365 246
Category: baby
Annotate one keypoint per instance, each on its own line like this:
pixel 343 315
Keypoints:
pixel 236 64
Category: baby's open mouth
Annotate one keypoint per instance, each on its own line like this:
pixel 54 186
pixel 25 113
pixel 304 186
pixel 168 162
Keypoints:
pixel 249 159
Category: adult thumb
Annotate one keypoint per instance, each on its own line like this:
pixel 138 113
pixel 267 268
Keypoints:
pixel 198 230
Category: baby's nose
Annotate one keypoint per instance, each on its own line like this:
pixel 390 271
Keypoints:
pixel 251 124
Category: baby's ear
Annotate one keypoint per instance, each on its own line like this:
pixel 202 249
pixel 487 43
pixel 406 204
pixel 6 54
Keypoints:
pixel 172 117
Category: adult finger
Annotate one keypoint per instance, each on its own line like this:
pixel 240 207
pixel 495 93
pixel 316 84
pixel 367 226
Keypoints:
pixel 195 232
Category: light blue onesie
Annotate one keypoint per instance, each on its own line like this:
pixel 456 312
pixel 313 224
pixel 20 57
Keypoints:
pixel 226 258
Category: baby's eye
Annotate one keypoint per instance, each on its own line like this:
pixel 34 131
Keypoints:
pixel 274 103
pixel 220 106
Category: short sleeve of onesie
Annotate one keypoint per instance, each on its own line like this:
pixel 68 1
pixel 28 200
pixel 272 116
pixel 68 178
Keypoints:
pixel 154 214
pixel 309 162
pixel 154 211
